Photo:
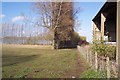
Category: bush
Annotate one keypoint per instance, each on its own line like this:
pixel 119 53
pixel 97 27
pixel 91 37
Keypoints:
pixel 73 42
pixel 75 39
pixel 83 42
pixel 104 49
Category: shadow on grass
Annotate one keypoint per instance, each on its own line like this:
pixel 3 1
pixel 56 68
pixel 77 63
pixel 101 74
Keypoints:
pixel 68 47
pixel 8 60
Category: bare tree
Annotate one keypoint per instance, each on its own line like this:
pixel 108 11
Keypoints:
pixel 58 17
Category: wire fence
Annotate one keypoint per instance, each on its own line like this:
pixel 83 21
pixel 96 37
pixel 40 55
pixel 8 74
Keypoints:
pixel 99 63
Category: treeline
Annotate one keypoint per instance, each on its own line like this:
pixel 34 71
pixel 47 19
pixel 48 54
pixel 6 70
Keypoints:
pixel 25 34
pixel 73 42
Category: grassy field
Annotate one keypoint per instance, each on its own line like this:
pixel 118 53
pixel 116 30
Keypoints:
pixel 41 62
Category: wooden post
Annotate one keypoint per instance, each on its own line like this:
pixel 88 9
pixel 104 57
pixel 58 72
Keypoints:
pixel 96 62
pixel 94 34
pixel 118 37
pixel 102 61
pixel 90 58
pixel 114 69
pixel 108 67
pixel 1 52
pixel 87 58
pixel 102 25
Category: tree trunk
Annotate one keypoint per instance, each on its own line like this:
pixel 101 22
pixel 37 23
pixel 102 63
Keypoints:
pixel 54 44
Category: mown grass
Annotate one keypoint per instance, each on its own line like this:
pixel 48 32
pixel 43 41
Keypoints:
pixel 38 63
pixel 93 74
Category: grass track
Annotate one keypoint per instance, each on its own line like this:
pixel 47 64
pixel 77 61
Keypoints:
pixel 40 62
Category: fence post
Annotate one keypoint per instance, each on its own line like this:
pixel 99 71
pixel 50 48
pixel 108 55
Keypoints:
pixel 96 62
pixel 108 67
pixel 114 69
pixel 102 63
pixel 90 58
pixel 87 55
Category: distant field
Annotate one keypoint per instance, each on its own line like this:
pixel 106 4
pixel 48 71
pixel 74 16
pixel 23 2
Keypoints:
pixel 27 46
pixel 21 61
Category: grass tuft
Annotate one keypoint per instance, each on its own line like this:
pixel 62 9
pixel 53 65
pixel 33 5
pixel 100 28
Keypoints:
pixel 93 74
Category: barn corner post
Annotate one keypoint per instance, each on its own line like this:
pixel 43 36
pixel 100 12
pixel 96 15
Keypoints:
pixel 118 37
pixel 103 19
pixel 94 31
